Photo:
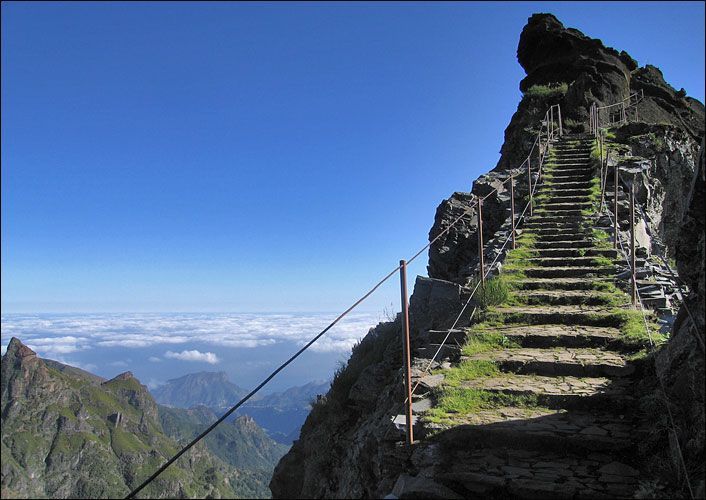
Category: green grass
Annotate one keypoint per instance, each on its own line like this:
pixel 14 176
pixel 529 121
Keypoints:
pixel 461 401
pixel 494 292
pixel 469 370
pixel 602 260
pixel 545 91
pixel 483 339
pixel 632 327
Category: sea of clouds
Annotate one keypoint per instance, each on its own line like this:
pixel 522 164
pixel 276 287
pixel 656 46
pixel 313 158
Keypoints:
pixel 174 334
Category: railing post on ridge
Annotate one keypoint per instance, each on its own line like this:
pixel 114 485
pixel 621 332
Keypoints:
pixel 480 240
pixel 407 361
pixel 632 242
pixel 561 128
pixel 512 208
pixel 529 183
pixel 615 207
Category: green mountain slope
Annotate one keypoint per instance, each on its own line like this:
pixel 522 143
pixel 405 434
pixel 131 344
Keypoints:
pixel 66 433
pixel 240 443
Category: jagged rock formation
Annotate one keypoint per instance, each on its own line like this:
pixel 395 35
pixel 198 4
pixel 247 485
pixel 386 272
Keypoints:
pixel 69 434
pixel 350 447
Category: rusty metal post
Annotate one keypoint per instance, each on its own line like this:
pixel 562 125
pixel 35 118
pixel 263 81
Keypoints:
pixel 406 350
pixel 615 207
pixel 529 183
pixel 512 208
pixel 480 240
pixel 632 242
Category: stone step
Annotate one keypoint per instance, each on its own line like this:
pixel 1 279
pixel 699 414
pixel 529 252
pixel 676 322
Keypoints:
pixel 553 208
pixel 561 177
pixel 547 429
pixel 576 212
pixel 561 238
pixel 553 222
pixel 560 191
pixel 585 261
pixel 558 361
pixel 506 472
pixel 555 315
pixel 561 392
pixel 569 271
pixel 577 252
pixel 559 243
pixel 553 218
pixel 572 198
pixel 568 169
pixel 560 283
pixel 568 185
pixel 551 230
pixel 438 352
pixel 561 336
pixel 565 297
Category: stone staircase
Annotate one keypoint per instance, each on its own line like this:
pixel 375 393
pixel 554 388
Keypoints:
pixel 562 421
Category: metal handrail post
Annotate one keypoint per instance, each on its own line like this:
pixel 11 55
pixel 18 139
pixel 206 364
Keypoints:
pixel 561 128
pixel 512 208
pixel 480 240
pixel 407 361
pixel 529 182
pixel 632 242
pixel 615 207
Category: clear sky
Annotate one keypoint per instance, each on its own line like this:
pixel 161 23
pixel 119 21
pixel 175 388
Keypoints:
pixel 261 157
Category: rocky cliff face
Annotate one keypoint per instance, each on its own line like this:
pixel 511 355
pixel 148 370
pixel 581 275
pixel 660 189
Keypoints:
pixel 349 446
pixel 69 434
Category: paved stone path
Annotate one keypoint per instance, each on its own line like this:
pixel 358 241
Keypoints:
pixel 577 440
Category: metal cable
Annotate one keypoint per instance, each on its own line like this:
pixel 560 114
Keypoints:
pixel 260 386
pixel 300 351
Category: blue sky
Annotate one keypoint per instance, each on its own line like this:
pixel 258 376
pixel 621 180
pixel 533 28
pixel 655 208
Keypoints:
pixel 256 157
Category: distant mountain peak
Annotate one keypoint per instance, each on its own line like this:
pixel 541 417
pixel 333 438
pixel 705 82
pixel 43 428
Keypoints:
pixel 17 350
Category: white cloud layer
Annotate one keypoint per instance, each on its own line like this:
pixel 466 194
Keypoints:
pixel 194 355
pixel 55 335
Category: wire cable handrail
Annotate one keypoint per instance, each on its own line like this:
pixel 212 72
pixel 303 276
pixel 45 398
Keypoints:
pixel 548 121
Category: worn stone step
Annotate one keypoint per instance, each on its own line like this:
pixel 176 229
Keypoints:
pixel 562 392
pixel 562 219
pixel 577 252
pixel 569 169
pixel 541 428
pixel 556 315
pixel 568 185
pixel 550 231
pixel 557 361
pixel 571 198
pixel 549 225
pixel 559 243
pixel 560 283
pixel 556 190
pixel 569 271
pixel 507 472
pixel 553 206
pixel 584 261
pixel 442 352
pixel 564 297
pixel 561 336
